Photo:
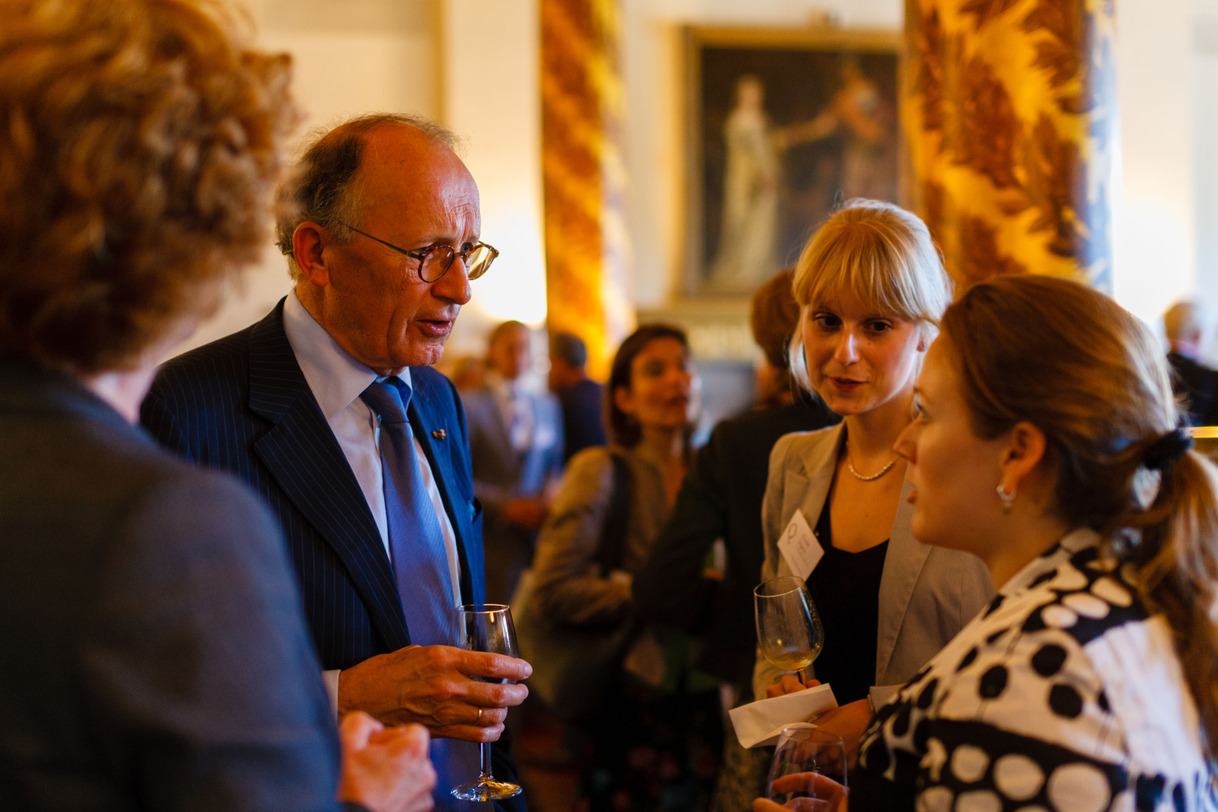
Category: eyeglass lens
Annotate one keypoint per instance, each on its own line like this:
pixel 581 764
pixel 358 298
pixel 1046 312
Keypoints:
pixel 440 258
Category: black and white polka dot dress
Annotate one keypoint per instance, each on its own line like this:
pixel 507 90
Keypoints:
pixel 1064 694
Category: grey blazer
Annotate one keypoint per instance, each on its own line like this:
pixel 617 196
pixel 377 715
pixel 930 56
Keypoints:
pixel 927 594
pixel 502 473
pixel 154 651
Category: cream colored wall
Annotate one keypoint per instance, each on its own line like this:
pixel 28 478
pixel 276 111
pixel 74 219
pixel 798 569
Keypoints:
pixel 1205 132
pixel 490 96
pixel 473 65
pixel 348 58
pixel 1156 222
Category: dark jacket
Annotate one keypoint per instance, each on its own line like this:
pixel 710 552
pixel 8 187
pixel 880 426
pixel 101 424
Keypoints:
pixel 721 498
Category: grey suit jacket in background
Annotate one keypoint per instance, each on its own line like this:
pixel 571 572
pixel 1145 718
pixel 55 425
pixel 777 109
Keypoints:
pixel 154 652
pixel 927 594
pixel 502 473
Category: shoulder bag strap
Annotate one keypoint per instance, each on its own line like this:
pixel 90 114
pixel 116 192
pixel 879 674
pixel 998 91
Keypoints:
pixel 613 535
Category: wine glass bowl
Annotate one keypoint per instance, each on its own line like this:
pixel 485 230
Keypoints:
pixel 789 631
pixel 808 771
pixel 486 627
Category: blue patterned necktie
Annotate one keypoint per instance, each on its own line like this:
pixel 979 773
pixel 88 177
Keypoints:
pixel 420 565
pixel 416 543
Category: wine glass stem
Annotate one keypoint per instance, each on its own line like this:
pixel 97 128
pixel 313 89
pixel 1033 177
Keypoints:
pixel 484 762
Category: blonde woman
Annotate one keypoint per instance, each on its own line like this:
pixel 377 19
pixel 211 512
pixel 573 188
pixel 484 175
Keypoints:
pixel 871 289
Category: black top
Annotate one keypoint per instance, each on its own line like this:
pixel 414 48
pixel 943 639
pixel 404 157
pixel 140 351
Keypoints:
pixel 845 587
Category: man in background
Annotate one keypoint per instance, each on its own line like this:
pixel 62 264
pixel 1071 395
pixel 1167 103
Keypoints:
pixel 581 398
pixel 515 440
pixel 154 654
pixel 328 407
pixel 1196 383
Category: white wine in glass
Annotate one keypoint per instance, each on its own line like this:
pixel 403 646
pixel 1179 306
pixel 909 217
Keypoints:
pixel 789 631
pixel 486 627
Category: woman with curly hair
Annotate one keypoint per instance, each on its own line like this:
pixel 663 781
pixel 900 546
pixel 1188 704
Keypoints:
pixel 155 652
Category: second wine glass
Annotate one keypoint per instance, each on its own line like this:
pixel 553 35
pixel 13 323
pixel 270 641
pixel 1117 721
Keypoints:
pixel 487 627
pixel 808 772
pixel 789 631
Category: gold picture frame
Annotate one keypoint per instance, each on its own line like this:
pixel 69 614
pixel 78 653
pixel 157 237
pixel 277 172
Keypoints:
pixel 780 125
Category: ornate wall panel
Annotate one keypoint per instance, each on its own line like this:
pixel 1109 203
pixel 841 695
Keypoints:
pixel 1010 116
pixel 582 171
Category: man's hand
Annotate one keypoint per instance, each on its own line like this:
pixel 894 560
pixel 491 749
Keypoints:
pixel 385 769
pixel 437 686
pixel 526 512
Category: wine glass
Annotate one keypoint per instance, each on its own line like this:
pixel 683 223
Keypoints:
pixel 486 627
pixel 808 772
pixel 789 630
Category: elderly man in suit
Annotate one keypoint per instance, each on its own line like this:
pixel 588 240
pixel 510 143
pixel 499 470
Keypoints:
pixel 155 656
pixel 329 409
pixel 515 440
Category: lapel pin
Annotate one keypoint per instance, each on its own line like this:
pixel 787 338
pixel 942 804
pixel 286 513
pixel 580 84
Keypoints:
pixel 439 434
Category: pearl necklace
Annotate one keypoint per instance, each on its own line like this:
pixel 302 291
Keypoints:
pixel 873 477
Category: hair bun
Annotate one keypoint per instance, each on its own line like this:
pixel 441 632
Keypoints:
pixel 1167 449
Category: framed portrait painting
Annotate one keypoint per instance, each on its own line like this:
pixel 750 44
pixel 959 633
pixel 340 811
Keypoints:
pixel 780 126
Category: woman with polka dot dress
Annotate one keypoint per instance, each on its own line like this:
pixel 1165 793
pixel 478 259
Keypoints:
pixel 1047 442
pixel 871 288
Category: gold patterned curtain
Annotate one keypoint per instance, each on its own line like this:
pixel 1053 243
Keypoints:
pixel 582 172
pixel 1010 116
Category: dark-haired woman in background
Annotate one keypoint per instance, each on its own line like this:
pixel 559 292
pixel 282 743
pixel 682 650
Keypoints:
pixel 651 408
pixel 721 500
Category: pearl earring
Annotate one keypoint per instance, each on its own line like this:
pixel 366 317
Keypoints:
pixel 1008 499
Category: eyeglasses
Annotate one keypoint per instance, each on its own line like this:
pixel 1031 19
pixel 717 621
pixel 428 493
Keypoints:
pixel 435 260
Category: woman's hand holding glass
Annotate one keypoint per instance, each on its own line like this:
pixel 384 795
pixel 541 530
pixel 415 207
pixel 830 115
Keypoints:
pixel 808 773
pixel 849 721
pixel 789 684
pixel 766 805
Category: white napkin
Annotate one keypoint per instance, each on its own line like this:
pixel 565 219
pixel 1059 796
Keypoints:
pixel 761 722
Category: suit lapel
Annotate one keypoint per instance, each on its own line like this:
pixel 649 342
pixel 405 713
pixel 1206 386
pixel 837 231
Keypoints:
pixel 809 488
pixel 306 461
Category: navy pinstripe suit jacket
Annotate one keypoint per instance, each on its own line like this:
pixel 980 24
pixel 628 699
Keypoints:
pixel 242 404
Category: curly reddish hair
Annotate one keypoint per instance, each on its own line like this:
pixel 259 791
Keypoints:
pixel 140 143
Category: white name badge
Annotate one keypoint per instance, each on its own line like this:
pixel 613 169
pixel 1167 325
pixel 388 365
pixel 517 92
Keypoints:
pixel 799 546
